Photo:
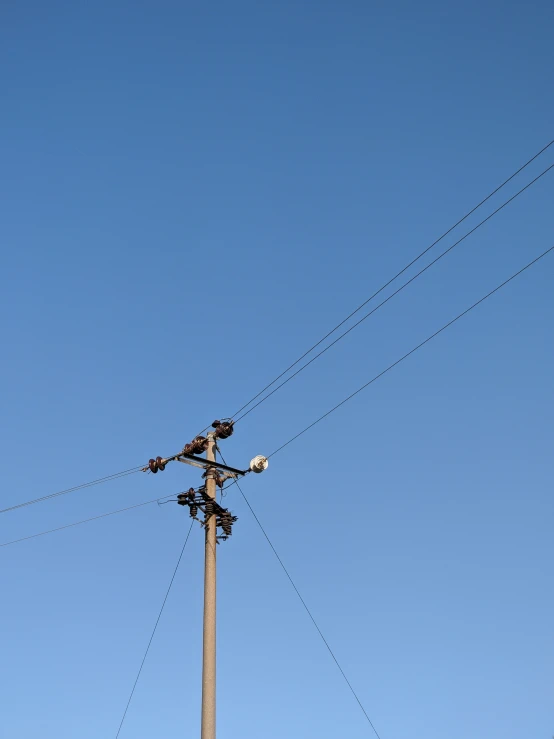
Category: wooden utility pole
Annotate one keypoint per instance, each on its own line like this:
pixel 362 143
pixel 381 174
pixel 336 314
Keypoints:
pixel 203 499
pixel 208 657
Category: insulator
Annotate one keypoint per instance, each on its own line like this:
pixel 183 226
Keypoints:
pixel 259 464
pixel 209 508
pixel 200 444
pixel 224 430
pixel 156 464
pixel 196 446
pixel 193 510
pixel 215 424
pixel 182 499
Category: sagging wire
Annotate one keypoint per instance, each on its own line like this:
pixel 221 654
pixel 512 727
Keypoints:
pixel 154 631
pixel 405 268
pixel 85 520
pixel 314 622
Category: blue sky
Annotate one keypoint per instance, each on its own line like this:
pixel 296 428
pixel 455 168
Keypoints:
pixel 192 195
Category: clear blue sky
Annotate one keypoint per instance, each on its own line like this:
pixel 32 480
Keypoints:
pixel 192 194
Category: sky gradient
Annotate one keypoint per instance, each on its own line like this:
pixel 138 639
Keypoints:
pixel 192 195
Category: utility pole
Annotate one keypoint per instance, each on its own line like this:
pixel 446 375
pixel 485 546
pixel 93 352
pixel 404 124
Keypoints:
pixel 203 500
pixel 208 655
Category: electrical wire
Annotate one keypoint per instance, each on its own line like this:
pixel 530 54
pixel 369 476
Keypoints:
pixel 415 349
pixel 154 630
pixel 389 282
pixel 78 523
pixel 236 482
pixel 108 478
pixel 336 407
pixel 100 480
pixel 396 292
pixel 160 501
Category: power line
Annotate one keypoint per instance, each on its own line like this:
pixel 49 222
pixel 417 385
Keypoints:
pixel 154 630
pixel 161 501
pixel 236 482
pixel 359 390
pixel 398 274
pixel 309 613
pixel 396 292
pixel 100 480
pixel 78 523
pixel 427 340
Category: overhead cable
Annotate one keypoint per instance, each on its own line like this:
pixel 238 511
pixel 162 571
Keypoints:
pixel 304 604
pixel 99 481
pixel 396 276
pixel 154 631
pixel 412 351
pixel 161 501
pixel 78 523
pixel 392 295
